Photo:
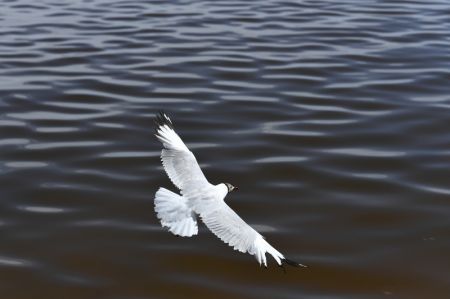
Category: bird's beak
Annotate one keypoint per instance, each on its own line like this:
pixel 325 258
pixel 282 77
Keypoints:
pixel 236 188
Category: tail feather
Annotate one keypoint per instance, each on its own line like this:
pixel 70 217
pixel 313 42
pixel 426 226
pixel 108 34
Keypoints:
pixel 173 212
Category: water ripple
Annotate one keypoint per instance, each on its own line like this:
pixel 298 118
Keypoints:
pixel 331 116
pixel 14 262
pixel 365 152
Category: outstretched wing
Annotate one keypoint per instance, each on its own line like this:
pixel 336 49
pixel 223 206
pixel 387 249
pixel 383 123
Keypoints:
pixel 230 228
pixel 178 161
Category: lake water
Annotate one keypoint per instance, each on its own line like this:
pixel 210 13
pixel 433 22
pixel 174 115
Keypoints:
pixel 332 117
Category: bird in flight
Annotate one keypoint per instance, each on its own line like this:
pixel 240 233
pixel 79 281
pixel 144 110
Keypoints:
pixel 178 212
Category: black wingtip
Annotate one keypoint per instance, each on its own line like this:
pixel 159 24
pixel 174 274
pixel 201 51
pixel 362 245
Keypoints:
pixel 292 263
pixel 161 119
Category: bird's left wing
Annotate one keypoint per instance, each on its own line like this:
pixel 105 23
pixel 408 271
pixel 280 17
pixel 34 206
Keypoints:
pixel 230 228
pixel 178 161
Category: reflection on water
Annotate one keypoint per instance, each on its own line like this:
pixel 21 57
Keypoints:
pixel 331 116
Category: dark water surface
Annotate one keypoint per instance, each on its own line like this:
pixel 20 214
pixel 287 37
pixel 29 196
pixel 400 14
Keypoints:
pixel 333 118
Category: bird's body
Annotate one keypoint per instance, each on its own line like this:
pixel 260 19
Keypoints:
pixel 201 198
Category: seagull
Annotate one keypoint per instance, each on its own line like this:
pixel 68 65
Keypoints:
pixel 199 198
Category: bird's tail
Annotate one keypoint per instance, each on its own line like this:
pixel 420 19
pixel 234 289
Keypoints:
pixel 173 212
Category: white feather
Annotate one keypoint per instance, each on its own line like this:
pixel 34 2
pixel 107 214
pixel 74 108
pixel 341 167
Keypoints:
pixel 173 212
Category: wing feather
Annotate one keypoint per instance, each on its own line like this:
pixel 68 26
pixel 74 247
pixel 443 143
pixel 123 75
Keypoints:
pixel 231 229
pixel 178 161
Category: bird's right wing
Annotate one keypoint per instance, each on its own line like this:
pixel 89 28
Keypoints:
pixel 230 228
pixel 178 161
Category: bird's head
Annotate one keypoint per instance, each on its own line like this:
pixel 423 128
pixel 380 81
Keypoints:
pixel 230 187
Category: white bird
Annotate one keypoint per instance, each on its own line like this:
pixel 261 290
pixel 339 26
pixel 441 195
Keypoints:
pixel 199 197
